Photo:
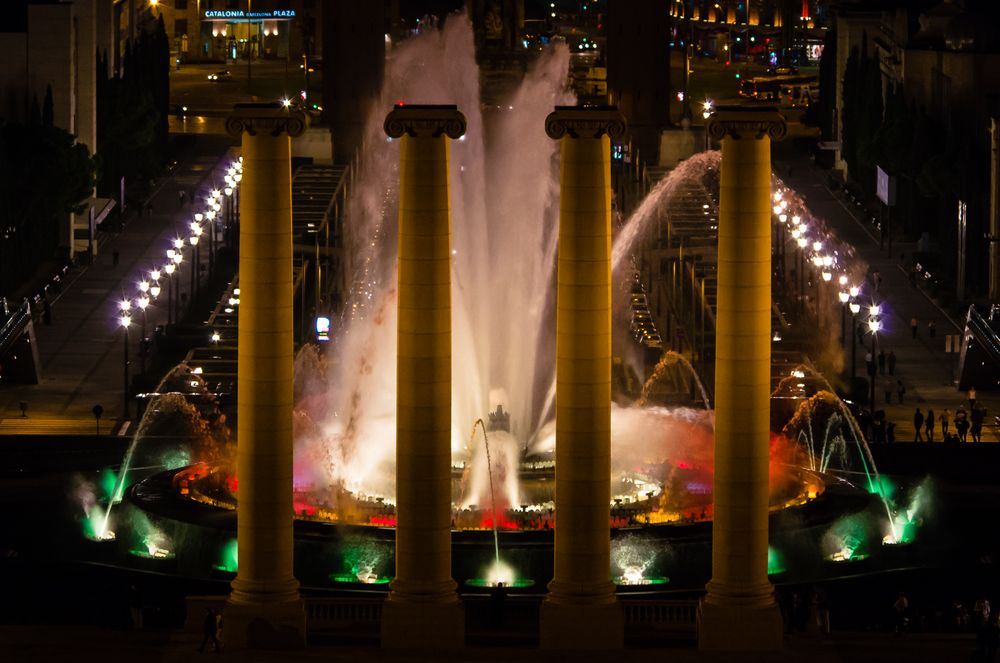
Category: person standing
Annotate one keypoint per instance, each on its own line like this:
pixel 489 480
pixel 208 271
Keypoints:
pixel 881 362
pixel 900 390
pixel 914 326
pixel 945 416
pixel 929 425
pixel 972 397
pixel 931 328
pixel 888 391
pixel 891 361
pixel 918 425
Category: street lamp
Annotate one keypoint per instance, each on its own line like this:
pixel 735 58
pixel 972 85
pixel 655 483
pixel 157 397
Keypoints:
pixel 125 320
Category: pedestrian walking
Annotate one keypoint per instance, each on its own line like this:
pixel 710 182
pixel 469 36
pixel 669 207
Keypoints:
pixel 870 364
pixel 918 425
pixel 929 425
pixel 881 362
pixel 889 386
pixel 914 326
pixel 945 416
pixel 931 328
pixel 210 631
pixel 900 390
pixel 972 398
pixel 876 279
pixel 961 425
pixel 891 361
pixel 901 607
pixel 181 196
pixel 978 415
pixel 890 433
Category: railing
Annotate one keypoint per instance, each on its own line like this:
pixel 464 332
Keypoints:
pixel 984 333
pixel 334 614
pixel 13 326
pixel 673 616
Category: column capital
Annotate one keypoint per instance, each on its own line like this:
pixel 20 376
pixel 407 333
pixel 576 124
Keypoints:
pixel 585 122
pixel 746 122
pixel 272 118
pixel 425 121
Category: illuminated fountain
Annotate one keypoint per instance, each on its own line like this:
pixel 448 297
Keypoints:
pixel 504 210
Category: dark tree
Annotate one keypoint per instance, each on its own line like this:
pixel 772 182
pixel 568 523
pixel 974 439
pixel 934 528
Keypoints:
pixel 44 176
pixel 828 85
pixel 48 112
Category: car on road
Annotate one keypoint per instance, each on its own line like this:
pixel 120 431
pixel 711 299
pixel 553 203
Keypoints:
pixel 223 75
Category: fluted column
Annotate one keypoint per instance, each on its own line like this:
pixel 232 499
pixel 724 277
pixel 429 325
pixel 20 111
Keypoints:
pixel 581 610
pixel 423 609
pixel 264 608
pixel 739 611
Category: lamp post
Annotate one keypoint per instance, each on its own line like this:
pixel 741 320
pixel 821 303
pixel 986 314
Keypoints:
pixel 855 307
pixel 706 112
pixel 196 264
pixel 169 269
pixel 125 320
pixel 198 218
pixel 844 298
pixel 874 325
pixel 178 259
pixel 143 302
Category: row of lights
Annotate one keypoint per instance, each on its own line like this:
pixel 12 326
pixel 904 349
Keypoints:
pixel 826 262
pixel 149 289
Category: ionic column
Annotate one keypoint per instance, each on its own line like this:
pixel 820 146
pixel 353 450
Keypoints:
pixel 581 611
pixel 264 609
pixel 423 609
pixel 739 611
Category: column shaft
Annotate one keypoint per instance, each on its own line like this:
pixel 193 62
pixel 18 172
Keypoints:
pixel 581 610
pixel 739 611
pixel 264 401
pixel 583 375
pixel 423 379
pixel 264 608
pixel 423 609
pixel 743 373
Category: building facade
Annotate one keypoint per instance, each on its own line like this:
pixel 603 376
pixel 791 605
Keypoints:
pixel 232 30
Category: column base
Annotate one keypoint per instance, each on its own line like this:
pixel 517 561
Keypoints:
pixel 739 627
pixel 421 625
pixel 582 626
pixel 264 625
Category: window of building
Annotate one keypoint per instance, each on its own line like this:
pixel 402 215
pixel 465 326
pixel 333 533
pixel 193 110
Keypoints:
pixel 180 4
pixel 180 27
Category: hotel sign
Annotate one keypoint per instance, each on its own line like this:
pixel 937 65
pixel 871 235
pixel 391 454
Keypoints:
pixel 243 15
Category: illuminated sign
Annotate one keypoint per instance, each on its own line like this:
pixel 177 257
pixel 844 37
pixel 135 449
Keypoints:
pixel 240 14
pixel 322 328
